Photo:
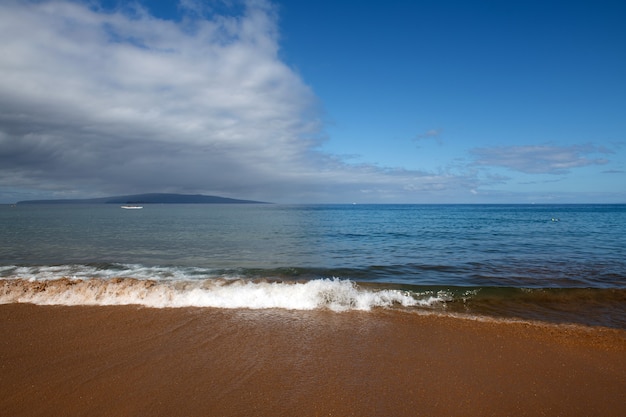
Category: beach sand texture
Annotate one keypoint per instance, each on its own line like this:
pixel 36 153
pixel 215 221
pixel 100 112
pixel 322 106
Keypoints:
pixel 133 361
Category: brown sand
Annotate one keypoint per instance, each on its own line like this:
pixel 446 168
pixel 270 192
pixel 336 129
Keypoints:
pixel 131 361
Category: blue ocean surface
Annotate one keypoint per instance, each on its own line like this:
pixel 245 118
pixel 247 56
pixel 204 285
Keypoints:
pixel 555 263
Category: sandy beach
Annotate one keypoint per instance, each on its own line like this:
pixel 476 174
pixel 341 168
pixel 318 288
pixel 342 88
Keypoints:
pixel 132 361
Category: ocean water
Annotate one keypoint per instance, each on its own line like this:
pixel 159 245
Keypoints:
pixel 553 263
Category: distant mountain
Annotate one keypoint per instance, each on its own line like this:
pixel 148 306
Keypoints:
pixel 155 198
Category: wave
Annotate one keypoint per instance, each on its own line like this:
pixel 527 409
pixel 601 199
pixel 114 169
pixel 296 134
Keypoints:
pixel 174 286
pixel 332 294
pixel 105 271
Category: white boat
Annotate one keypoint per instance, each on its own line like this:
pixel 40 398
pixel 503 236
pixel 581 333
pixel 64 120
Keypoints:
pixel 132 207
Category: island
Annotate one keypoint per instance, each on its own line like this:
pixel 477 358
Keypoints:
pixel 153 198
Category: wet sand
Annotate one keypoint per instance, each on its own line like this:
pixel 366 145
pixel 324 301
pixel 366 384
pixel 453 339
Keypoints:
pixel 132 361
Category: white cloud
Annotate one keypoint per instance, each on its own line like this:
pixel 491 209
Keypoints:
pixel 541 159
pixel 110 92
pixel 114 102
pixel 430 134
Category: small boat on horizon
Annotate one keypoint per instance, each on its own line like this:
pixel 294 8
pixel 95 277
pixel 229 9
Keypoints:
pixel 132 207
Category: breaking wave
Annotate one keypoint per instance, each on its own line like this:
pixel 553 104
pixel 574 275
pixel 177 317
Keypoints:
pixel 175 286
pixel 332 294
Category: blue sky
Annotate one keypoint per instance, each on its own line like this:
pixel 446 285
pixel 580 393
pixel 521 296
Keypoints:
pixel 315 101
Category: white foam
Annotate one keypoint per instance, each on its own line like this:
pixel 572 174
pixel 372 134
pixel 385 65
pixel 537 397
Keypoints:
pixel 78 271
pixel 333 294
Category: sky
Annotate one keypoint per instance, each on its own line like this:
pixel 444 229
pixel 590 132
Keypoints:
pixel 326 101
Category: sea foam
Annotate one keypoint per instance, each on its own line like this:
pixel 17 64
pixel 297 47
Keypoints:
pixel 333 294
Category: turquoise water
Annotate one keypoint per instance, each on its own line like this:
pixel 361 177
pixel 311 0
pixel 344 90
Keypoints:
pixel 563 263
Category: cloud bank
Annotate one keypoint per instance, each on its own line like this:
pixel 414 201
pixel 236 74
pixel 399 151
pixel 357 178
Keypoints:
pixel 112 99
pixel 95 102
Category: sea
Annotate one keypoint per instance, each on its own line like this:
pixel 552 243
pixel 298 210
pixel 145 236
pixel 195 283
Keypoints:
pixel 563 264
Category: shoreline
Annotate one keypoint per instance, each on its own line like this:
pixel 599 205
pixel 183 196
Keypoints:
pixel 130 360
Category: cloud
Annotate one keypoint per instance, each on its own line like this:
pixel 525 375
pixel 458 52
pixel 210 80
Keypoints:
pixel 430 134
pixel 99 102
pixel 541 159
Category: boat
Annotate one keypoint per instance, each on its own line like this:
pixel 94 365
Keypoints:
pixel 132 207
